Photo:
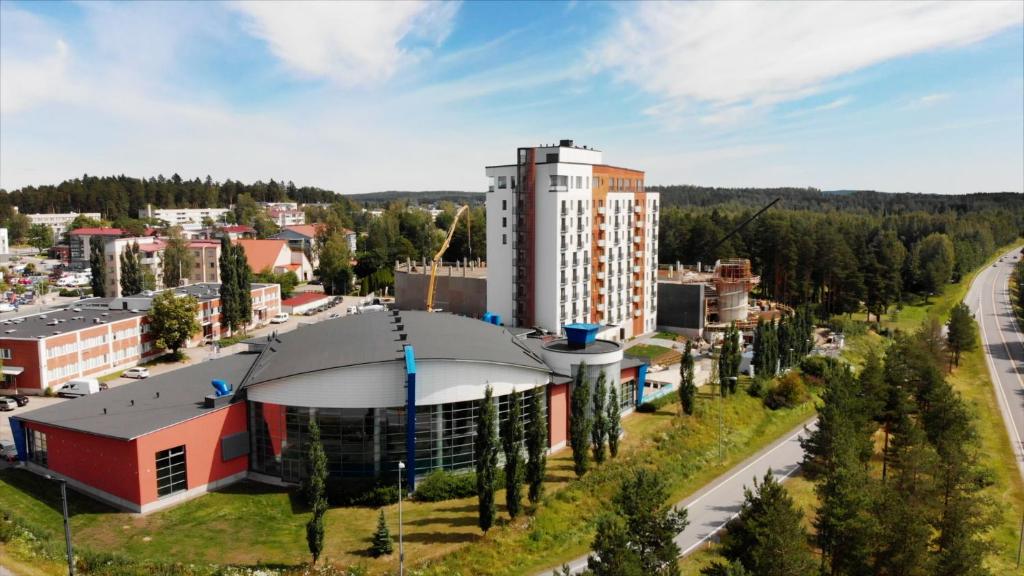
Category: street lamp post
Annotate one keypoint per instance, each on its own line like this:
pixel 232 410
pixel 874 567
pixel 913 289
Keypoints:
pixel 401 548
pixel 67 523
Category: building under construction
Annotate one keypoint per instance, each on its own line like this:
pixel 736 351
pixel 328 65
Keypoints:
pixel 461 287
pixel 696 299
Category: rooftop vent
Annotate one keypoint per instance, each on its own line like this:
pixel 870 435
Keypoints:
pixel 11 331
pixel 566 143
pixel 580 335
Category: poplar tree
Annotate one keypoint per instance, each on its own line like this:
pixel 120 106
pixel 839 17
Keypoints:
pixel 486 454
pixel 98 268
pixel 537 446
pixel 243 282
pixel 599 429
pixel 614 427
pixel 729 360
pixel 579 421
pixel 687 386
pixel 131 273
pixel 228 286
pixel 512 441
pixel 316 490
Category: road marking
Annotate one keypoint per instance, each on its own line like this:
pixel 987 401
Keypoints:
pixel 997 382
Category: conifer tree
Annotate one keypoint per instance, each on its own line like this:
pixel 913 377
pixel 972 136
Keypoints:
pixel 537 446
pixel 512 442
pixel 316 490
pixel 382 544
pixel 613 419
pixel 599 429
pixel 486 454
pixel 687 387
pixel 579 421
pixel 962 335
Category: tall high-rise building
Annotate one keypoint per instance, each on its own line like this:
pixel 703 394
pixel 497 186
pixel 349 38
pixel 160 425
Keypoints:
pixel 571 239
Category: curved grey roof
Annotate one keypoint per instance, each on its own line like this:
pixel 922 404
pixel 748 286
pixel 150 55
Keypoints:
pixel 374 337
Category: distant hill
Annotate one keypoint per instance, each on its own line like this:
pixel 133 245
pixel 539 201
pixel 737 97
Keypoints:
pixel 425 197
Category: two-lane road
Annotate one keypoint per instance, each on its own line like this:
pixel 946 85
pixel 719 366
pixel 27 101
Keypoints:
pixel 1003 344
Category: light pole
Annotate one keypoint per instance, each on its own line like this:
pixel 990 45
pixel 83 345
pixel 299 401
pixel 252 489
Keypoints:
pixel 401 548
pixel 67 523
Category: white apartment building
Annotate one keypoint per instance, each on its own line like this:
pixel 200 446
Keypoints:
pixel 571 239
pixel 151 255
pixel 184 217
pixel 59 222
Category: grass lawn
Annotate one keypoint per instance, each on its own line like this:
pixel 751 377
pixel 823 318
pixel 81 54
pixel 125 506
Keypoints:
pixel 267 526
pixel 666 336
pixel 654 354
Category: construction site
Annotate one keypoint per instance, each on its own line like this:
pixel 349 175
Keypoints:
pixel 461 286
pixel 698 299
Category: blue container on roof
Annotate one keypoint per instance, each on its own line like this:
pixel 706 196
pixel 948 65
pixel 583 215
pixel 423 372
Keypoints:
pixel 580 334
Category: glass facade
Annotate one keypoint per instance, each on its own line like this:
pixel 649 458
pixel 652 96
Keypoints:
pixel 367 442
pixel 171 475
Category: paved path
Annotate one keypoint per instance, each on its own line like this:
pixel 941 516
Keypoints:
pixel 1003 344
pixel 710 508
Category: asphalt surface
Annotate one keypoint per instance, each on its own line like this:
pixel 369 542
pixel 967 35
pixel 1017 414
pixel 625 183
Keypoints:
pixel 711 507
pixel 1003 344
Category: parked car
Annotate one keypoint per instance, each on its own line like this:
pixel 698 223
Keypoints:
pixel 280 318
pixel 137 372
pixel 80 387
pixel 7 404
pixel 334 315
pixel 8 452
pixel 21 399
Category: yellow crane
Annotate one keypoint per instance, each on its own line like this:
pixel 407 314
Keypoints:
pixel 444 246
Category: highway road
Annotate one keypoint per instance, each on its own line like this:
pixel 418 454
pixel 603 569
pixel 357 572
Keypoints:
pixel 1003 344
pixel 711 507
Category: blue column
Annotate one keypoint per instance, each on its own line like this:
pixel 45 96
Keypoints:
pixel 410 417
pixel 18 430
pixel 641 378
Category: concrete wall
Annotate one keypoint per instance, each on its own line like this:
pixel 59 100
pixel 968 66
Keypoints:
pixel 452 293
pixel 681 307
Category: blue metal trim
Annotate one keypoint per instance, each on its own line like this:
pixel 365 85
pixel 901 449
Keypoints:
pixel 18 430
pixel 410 418
pixel 641 379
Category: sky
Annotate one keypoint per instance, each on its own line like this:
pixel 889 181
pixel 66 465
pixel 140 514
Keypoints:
pixel 361 97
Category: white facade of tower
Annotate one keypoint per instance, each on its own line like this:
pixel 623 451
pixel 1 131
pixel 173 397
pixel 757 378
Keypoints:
pixel 591 242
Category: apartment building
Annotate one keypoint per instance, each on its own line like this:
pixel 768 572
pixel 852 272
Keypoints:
pixel 571 239
pixel 81 240
pixel 284 215
pixel 59 222
pixel 151 257
pixel 103 335
pixel 205 261
pixel 188 218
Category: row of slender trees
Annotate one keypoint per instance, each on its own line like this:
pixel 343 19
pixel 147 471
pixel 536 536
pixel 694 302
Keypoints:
pixel 779 344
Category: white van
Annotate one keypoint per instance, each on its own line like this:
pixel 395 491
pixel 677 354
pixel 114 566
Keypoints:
pixel 79 387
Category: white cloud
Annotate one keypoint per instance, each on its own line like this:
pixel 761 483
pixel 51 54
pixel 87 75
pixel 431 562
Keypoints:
pixel 33 62
pixel 756 54
pixel 928 100
pixel 352 43
pixel 837 103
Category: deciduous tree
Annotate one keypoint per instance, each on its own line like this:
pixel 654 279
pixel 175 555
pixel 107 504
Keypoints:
pixel 486 454
pixel 537 445
pixel 687 386
pixel 173 319
pixel 316 490
pixel 579 421
pixel 599 429
pixel 512 443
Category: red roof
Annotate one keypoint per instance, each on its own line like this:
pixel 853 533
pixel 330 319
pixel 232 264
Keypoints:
pixel 304 298
pixel 97 232
pixel 263 254
pixel 240 229
pixel 154 247
pixel 307 230
pixel 203 243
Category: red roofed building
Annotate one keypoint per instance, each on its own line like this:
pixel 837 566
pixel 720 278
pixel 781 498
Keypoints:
pixel 303 238
pixel 238 231
pixel 304 301
pixel 275 256
pixel 151 256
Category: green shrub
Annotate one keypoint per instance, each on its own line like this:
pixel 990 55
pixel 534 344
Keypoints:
pixel 66 292
pixel 788 392
pixel 445 485
pixel 355 492
pixel 758 386
pixel 818 366
pixel 657 403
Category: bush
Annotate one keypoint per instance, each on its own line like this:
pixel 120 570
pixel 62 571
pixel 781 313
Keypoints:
pixel 758 386
pixel 657 403
pixel 66 292
pixel 817 366
pixel 445 485
pixel 841 325
pixel 787 393
pixel 368 493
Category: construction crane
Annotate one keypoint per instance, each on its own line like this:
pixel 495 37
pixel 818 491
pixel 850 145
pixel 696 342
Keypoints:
pixel 444 246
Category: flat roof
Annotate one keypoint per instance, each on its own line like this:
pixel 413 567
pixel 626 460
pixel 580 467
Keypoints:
pixel 57 322
pixel 448 269
pixel 142 407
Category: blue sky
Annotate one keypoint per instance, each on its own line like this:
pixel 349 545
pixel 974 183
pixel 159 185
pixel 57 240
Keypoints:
pixel 360 97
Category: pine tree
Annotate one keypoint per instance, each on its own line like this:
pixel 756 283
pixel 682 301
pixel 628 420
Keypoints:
pixel 599 429
pixel 537 446
pixel 96 264
pixel 486 454
pixel 642 531
pixel 382 544
pixel 512 442
pixel 766 536
pixel 962 335
pixel 316 490
pixel 687 387
pixel 613 420
pixel 579 421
